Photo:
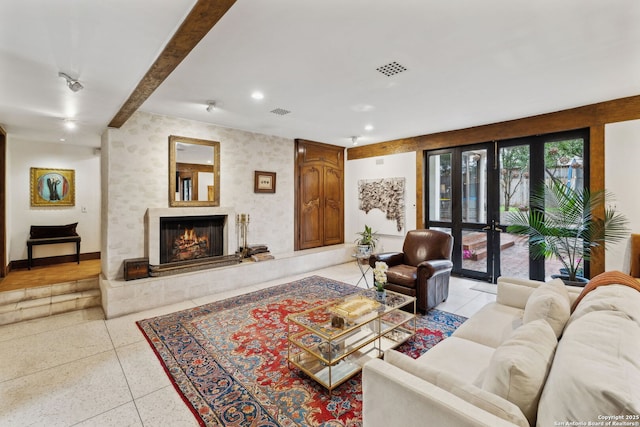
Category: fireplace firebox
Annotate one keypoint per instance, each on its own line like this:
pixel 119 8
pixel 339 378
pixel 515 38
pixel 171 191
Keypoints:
pixel 188 238
pixel 182 240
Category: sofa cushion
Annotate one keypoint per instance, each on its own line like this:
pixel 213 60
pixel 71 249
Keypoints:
pixel 514 291
pixel 464 359
pixel 518 369
pixel 491 325
pixel 611 297
pixel 551 303
pixel 468 392
pixel 596 369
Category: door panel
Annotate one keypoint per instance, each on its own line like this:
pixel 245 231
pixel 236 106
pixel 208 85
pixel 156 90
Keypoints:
pixel 476 231
pixel 333 210
pixel 311 207
pixel 459 201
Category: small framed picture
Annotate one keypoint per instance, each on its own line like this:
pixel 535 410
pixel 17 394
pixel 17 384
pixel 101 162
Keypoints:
pixel 265 182
pixel 53 187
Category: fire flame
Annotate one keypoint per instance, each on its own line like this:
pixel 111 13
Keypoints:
pixel 189 234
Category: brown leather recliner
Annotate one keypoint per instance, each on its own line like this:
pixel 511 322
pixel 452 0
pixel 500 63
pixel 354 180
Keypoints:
pixel 422 269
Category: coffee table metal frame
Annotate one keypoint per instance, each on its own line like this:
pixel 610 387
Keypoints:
pixel 331 351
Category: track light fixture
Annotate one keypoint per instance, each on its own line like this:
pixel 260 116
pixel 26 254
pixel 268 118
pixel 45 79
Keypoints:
pixel 211 105
pixel 73 84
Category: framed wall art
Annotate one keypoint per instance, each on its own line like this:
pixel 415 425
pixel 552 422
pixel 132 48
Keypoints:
pixel 53 187
pixel 265 182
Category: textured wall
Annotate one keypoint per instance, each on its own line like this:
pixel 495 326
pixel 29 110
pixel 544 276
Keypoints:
pixel 135 178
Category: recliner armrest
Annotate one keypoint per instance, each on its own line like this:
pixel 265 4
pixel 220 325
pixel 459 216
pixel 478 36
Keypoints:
pixel 435 266
pixel 391 258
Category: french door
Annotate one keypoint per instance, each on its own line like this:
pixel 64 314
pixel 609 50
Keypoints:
pixel 471 189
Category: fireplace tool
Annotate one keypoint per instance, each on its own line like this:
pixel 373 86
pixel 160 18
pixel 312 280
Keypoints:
pixel 242 229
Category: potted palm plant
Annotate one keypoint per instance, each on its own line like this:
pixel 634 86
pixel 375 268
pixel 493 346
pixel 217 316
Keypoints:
pixel 562 223
pixel 367 240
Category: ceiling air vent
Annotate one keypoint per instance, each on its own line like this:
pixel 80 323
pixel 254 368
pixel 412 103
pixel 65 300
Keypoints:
pixel 391 69
pixel 280 111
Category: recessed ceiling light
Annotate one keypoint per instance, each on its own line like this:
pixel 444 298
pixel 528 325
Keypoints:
pixel 62 140
pixel 69 124
pixel 257 95
pixel 368 127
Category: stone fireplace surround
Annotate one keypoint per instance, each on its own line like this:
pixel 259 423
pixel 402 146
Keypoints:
pixel 120 297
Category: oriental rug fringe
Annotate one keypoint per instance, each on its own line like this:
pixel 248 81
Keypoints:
pixel 228 359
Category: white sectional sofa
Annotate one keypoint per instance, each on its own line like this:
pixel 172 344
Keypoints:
pixel 506 367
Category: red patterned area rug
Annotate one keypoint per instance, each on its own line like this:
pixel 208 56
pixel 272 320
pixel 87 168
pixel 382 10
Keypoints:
pixel 228 359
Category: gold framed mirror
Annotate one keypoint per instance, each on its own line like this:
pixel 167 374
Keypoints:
pixel 194 172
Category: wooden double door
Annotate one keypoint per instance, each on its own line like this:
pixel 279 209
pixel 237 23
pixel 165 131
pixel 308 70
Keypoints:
pixel 319 194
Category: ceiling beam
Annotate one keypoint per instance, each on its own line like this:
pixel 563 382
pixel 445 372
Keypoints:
pixel 204 15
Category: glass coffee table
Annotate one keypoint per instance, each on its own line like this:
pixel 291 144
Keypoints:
pixel 331 342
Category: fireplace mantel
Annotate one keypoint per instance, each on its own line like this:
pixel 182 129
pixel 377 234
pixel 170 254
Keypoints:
pixel 152 227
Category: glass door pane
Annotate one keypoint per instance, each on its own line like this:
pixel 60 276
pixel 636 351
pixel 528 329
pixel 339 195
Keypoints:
pixel 563 161
pixel 474 250
pixel 476 254
pixel 514 196
pixel 440 187
pixel 474 186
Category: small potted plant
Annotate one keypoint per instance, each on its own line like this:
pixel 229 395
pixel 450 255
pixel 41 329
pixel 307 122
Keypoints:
pixel 367 241
pixel 380 279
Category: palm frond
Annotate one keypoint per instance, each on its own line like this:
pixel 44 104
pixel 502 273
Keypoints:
pixel 563 222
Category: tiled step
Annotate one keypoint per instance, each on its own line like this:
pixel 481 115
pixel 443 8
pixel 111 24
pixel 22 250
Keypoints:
pixel 43 301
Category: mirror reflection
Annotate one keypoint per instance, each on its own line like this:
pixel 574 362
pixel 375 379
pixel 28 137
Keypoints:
pixel 194 172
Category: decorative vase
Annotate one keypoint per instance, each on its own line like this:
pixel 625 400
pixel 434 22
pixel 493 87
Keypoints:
pixel 364 250
pixel 381 292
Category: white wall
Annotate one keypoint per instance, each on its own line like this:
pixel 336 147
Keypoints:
pixel 22 156
pixel 391 166
pixel 136 177
pixel 622 154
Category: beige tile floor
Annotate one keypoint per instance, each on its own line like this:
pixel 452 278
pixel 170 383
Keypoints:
pixel 78 369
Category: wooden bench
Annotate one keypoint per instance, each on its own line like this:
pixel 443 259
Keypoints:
pixel 51 235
